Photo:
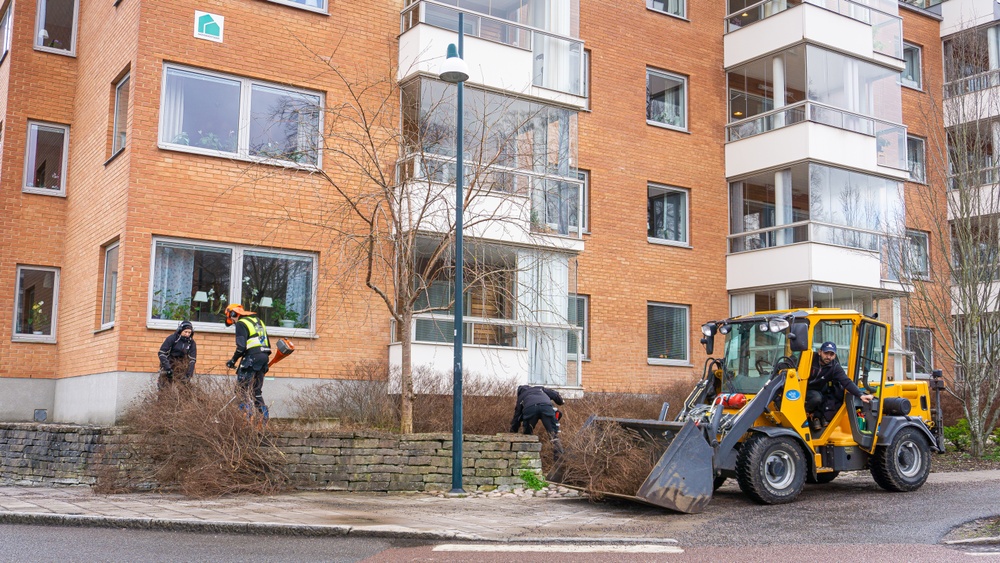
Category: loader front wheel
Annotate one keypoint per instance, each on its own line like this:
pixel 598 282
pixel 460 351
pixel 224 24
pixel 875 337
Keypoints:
pixel 771 470
pixel 904 464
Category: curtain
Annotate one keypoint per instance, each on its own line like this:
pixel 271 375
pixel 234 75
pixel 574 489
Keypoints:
pixel 173 108
pixel 543 291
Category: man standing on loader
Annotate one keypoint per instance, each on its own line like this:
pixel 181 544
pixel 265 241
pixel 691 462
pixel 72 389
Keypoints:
pixel 253 347
pixel 825 391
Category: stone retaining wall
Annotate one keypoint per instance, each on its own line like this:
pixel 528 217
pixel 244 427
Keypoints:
pixel 52 454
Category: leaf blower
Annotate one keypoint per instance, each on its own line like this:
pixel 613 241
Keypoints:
pixel 284 349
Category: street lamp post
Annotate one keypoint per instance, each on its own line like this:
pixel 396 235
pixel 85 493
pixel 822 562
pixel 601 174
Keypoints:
pixel 455 71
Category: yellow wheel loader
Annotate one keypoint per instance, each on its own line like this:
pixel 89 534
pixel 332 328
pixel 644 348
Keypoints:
pixel 746 419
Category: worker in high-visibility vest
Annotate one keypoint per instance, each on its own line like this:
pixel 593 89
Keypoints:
pixel 252 351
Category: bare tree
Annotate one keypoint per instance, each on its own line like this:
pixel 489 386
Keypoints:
pixel 959 297
pixel 387 207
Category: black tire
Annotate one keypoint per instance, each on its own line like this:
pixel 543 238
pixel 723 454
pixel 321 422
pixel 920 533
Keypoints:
pixel 718 482
pixel 904 464
pixel 822 478
pixel 771 470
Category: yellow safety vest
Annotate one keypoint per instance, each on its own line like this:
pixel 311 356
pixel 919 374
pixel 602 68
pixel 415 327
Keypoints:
pixel 257 337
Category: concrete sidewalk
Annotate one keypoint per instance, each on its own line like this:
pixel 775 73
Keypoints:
pixel 415 516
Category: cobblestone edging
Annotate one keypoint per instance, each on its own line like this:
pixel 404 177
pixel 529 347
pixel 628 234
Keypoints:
pixel 54 454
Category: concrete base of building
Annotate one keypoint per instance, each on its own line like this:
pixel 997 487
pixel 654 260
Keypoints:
pixel 101 399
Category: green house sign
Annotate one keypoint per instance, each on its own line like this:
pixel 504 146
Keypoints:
pixel 208 26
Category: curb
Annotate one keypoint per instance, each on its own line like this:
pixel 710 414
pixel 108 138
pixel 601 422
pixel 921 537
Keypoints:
pixel 298 530
pixel 974 541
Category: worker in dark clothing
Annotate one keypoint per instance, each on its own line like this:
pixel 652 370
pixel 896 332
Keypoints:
pixel 177 356
pixel 825 390
pixel 534 403
pixel 252 351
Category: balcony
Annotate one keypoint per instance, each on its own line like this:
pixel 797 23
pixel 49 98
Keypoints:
pixel 814 131
pixel 501 55
pixel 850 27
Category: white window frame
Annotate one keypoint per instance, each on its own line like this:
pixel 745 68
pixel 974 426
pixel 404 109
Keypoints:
pixel 39 16
pixel 584 177
pixel 683 7
pixel 123 134
pixel 243 129
pixel 684 82
pixel 29 160
pixel 584 324
pixel 235 286
pixel 113 287
pixel 912 360
pixel 662 189
pixel 5 35
pixel 687 342
pixel 919 84
pixel 911 236
pixel 322 10
pixel 53 320
pixel 923 159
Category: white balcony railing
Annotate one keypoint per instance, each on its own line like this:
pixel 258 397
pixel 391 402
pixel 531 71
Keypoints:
pixel 809 231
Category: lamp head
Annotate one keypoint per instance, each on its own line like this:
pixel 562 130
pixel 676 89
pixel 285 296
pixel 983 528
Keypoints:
pixel 454 69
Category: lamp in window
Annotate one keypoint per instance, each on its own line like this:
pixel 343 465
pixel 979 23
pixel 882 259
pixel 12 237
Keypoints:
pixel 266 302
pixel 199 298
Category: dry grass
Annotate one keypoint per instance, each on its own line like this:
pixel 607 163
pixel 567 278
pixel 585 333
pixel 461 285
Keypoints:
pixel 193 439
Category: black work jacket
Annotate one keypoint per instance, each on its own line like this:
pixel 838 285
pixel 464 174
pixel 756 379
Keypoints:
pixel 831 380
pixel 176 346
pixel 527 396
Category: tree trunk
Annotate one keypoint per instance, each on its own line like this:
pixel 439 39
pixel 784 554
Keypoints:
pixel 406 394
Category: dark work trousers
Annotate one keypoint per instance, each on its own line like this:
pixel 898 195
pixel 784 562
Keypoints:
pixel 547 414
pixel 250 377
pixel 818 405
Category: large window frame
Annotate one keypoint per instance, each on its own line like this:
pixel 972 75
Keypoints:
pixel 323 8
pixel 5 30
pixel 916 159
pixel 119 135
pixel 653 117
pixel 109 294
pixel 579 315
pixel 234 289
pixel 22 310
pixel 238 144
pixel 682 228
pixel 912 74
pixel 922 338
pixel 675 8
pixel 918 261
pixel 42 35
pixel 682 335
pixel 31 168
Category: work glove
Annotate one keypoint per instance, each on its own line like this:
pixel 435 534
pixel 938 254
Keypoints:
pixel 231 364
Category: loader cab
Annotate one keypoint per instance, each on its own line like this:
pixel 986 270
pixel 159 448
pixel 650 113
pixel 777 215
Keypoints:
pixel 753 350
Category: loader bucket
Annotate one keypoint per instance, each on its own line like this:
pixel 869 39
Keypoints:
pixel 682 478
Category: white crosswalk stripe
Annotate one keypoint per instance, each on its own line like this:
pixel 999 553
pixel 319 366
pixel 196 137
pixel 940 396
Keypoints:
pixel 560 548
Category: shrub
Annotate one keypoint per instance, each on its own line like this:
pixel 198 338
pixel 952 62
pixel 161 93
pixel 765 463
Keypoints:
pixel 362 402
pixel 196 440
pixel 958 435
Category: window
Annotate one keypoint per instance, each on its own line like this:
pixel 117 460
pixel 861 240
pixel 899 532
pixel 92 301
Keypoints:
pixel 55 26
pixel 672 7
pixel 45 164
pixel 315 5
pixel 918 264
pixel 121 115
pixel 237 117
pixel 667 334
pixel 915 159
pixel 586 79
pixel 110 285
pixel 584 177
pixel 920 341
pixel 35 312
pixel 5 31
pixel 576 345
pixel 666 99
pixel 666 214
pixel 911 74
pixel 196 281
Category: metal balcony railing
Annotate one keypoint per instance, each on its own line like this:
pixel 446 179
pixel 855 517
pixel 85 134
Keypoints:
pixel 808 231
pixel 890 137
pixel 974 83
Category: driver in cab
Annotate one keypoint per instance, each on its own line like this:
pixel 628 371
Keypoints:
pixel 825 390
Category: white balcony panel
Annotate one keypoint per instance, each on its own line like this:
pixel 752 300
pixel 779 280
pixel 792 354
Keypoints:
pixel 491 65
pixel 964 14
pixel 803 263
pixel 805 22
pixel 482 361
pixel 802 141
pixel 503 218
pixel 982 103
pixel 983 200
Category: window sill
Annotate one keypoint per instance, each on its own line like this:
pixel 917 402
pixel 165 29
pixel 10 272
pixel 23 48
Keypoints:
pixel 664 242
pixel 669 363
pixel 235 156
pixel 917 88
pixel 33 338
pixel 661 12
pixel 44 191
pixel 63 52
pixel 667 126
pixel 215 328
pixel 114 156
pixel 104 328
pixel 298 6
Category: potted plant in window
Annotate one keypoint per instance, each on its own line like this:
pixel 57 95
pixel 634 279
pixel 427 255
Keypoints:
pixel 37 317
pixel 284 316
pixel 172 308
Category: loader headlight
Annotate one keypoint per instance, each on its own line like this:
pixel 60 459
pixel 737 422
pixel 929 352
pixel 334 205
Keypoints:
pixel 724 329
pixel 762 327
pixel 777 325
pixel 708 329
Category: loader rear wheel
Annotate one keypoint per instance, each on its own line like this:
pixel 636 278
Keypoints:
pixel 771 470
pixel 904 464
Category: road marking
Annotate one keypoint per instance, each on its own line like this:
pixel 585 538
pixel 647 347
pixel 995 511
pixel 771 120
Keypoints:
pixel 982 553
pixel 537 548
